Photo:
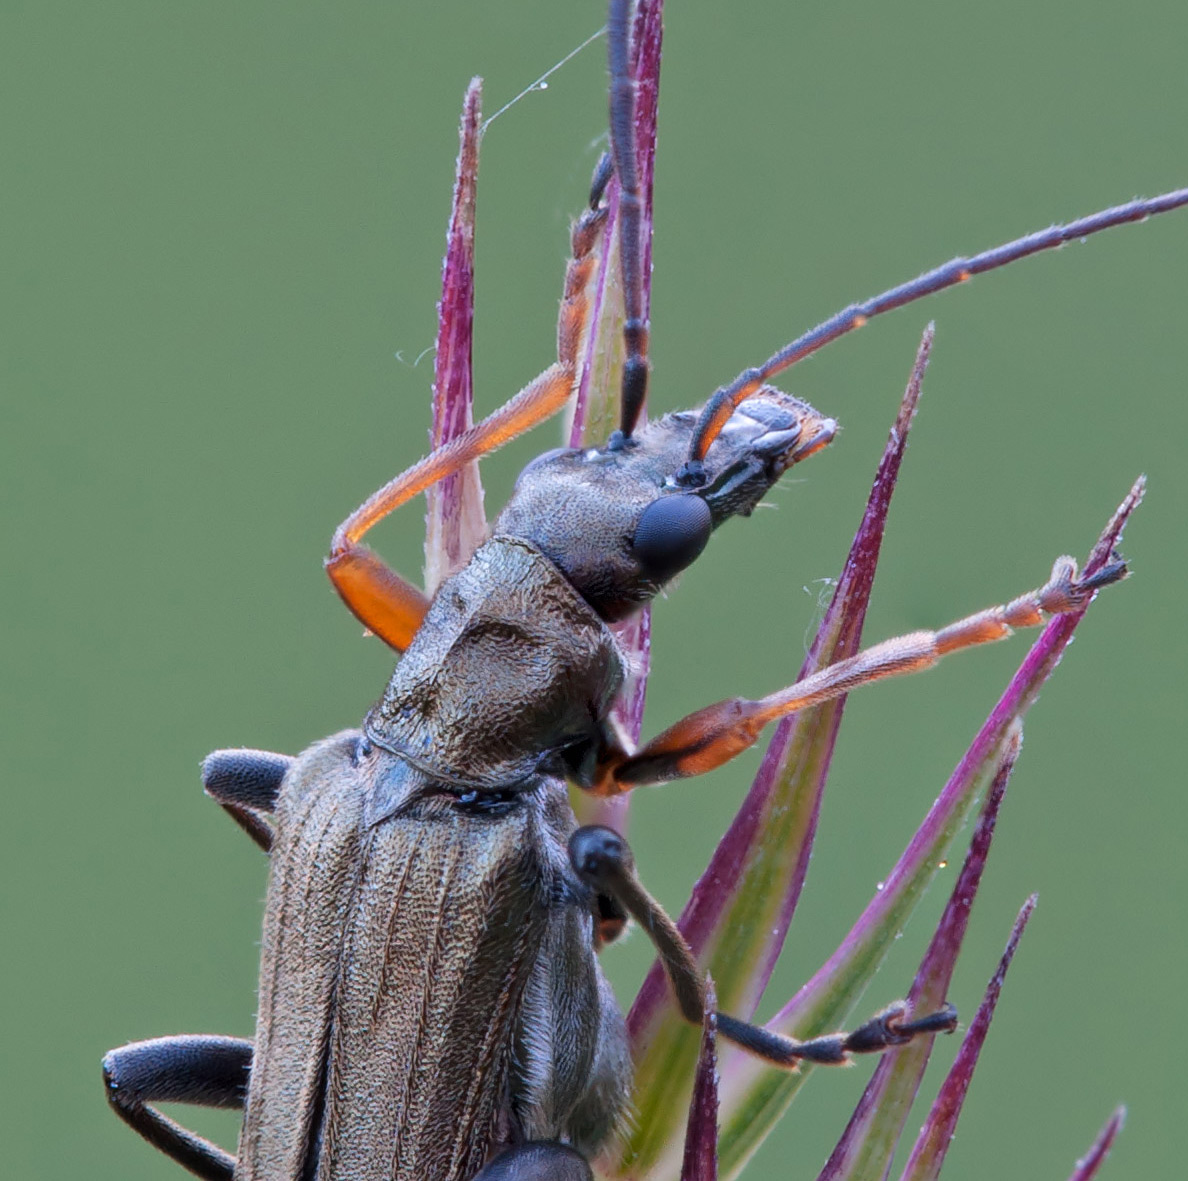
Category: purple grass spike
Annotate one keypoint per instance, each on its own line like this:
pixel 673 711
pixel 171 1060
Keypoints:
pixel 868 1144
pixel 595 410
pixel 701 1134
pixel 760 864
pixel 646 39
pixel 1088 1165
pixel 454 521
pixel 751 1098
pixel 928 1154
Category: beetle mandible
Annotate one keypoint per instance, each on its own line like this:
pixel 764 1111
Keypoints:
pixel 434 911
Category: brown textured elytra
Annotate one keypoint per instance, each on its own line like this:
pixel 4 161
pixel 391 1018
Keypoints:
pixel 402 959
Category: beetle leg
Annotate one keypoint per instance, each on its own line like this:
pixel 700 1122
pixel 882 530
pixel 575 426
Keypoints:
pixel 610 920
pixel 634 387
pixel 603 860
pixel 713 735
pixel 539 1160
pixel 884 1030
pixel 385 602
pixel 574 322
pixel 245 783
pixel 189 1068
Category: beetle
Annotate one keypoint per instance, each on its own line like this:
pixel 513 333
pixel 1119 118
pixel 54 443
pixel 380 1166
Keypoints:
pixel 430 994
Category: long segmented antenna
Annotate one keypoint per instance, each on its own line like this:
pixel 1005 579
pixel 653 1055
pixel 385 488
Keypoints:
pixel 622 138
pixel 719 408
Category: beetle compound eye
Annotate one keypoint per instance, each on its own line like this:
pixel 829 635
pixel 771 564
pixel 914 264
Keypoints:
pixel 671 532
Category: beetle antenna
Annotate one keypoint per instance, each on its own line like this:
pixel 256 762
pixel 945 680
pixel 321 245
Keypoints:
pixel 718 409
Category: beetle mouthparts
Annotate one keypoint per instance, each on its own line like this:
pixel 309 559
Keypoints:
pixel 822 436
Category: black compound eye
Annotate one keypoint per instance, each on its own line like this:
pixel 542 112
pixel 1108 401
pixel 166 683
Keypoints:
pixel 670 533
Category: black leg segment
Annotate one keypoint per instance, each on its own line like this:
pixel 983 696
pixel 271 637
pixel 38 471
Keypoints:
pixel 602 860
pixel 250 778
pixel 623 148
pixel 246 783
pixel 540 1160
pixel 881 1032
pixel 190 1068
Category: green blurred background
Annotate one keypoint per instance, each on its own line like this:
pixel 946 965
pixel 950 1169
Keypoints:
pixel 222 238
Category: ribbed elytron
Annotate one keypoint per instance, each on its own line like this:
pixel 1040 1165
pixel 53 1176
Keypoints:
pixel 431 1006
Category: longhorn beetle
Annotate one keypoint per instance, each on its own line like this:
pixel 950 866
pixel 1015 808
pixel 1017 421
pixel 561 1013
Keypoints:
pixel 431 1004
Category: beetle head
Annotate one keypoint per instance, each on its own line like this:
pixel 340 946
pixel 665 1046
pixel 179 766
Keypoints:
pixel 620 523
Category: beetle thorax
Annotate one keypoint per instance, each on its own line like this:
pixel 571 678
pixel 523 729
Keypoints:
pixel 510 670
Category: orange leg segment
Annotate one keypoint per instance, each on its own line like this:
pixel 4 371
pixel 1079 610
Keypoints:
pixel 712 736
pixel 387 603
